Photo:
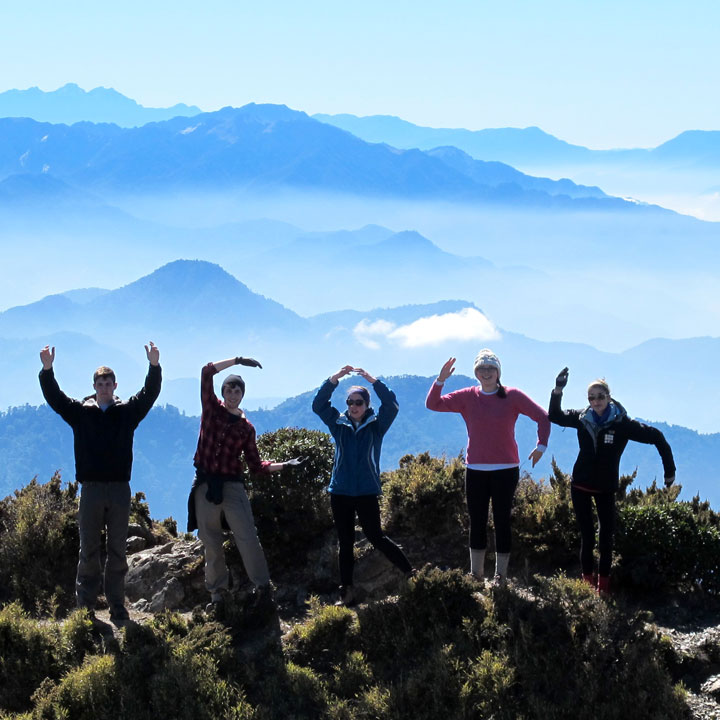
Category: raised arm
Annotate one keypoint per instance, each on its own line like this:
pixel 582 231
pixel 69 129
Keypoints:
pixel 221 365
pixel 564 418
pixel 321 402
pixel 389 406
pixel 145 399
pixel 207 391
pixel 435 400
pixel 54 396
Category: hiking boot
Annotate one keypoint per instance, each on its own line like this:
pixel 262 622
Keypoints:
pixel 216 608
pixel 347 596
pixel 119 616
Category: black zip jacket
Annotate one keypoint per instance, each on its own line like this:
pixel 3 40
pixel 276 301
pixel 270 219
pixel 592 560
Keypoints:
pixel 597 467
pixel 103 441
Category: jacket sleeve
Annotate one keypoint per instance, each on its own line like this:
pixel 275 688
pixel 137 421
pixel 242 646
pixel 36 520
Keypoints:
pixel 252 456
pixel 530 408
pixel 145 399
pixel 639 432
pixel 208 398
pixel 564 418
pixel 321 404
pixel 389 407
pixel 63 405
pixel 435 400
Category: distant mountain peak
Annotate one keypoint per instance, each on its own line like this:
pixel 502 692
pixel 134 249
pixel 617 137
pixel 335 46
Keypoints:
pixel 70 104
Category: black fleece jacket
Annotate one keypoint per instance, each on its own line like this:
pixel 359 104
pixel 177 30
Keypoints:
pixel 598 462
pixel 103 440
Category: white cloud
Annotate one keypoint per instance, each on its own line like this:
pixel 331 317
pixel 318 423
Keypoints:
pixel 364 332
pixel 466 325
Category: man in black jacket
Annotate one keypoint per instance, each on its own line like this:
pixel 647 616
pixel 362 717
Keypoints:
pixel 103 429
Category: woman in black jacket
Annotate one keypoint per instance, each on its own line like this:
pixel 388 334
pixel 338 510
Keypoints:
pixel 603 430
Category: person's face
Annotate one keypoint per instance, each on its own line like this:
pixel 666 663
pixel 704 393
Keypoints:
pixel 232 395
pixel 598 398
pixel 104 389
pixel 356 406
pixel 488 377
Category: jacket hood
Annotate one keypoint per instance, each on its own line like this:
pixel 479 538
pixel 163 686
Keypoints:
pixel 91 400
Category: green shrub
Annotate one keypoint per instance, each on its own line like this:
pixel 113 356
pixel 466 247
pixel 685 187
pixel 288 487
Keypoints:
pixel 487 686
pixel 39 545
pixel 543 521
pixel 425 495
pixel 89 692
pixel 325 638
pixel 292 509
pixel 29 654
pixel 667 545
pixel 352 676
pixel 163 669
pixel 578 656
pixel 31 651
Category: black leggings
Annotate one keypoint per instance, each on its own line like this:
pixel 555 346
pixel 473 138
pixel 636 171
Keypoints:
pixel 344 508
pixel 481 486
pixel 605 504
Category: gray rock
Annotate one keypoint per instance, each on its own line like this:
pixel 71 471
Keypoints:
pixel 152 572
pixel 135 544
pixel 169 598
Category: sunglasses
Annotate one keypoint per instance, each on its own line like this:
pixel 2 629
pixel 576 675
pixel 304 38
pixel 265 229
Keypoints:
pixel 599 396
pixel 355 402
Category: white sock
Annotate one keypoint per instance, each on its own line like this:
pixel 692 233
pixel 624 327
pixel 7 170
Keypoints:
pixel 501 564
pixel 477 562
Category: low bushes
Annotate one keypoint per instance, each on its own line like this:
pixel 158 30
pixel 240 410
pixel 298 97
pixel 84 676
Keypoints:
pixel 292 509
pixel 39 545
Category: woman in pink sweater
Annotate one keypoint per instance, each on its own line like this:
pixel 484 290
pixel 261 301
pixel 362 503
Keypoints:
pixel 490 412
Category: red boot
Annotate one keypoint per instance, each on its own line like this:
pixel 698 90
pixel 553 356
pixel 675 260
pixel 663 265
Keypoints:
pixel 603 584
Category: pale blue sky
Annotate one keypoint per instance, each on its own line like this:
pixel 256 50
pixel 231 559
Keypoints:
pixel 601 74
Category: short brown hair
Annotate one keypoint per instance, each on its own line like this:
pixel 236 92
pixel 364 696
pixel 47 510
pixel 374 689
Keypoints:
pixel 102 372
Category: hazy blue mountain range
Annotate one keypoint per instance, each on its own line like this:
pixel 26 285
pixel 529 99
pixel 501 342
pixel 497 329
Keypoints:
pixel 528 146
pixel 70 104
pixel 36 441
pixel 196 312
pixel 262 147
pixel 500 259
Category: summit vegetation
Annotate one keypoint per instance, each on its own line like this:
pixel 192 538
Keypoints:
pixel 440 645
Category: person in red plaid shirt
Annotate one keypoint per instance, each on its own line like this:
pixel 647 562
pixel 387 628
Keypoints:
pixel 218 492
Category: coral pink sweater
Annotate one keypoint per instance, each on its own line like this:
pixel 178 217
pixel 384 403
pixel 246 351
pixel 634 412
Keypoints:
pixel 490 421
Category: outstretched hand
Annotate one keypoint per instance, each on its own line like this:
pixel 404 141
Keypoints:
pixel 295 462
pixel 247 362
pixel 153 354
pixel 342 372
pixel 365 374
pixel 562 379
pixel 446 370
pixel 47 357
pixel 535 456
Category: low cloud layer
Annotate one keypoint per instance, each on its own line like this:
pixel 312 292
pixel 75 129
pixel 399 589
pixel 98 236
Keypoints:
pixel 468 324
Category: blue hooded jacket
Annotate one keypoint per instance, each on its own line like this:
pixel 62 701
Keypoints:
pixel 356 470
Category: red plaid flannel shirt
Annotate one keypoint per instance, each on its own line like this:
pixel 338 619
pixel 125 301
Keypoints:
pixel 223 436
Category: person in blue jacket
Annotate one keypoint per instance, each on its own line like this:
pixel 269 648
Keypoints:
pixel 355 482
